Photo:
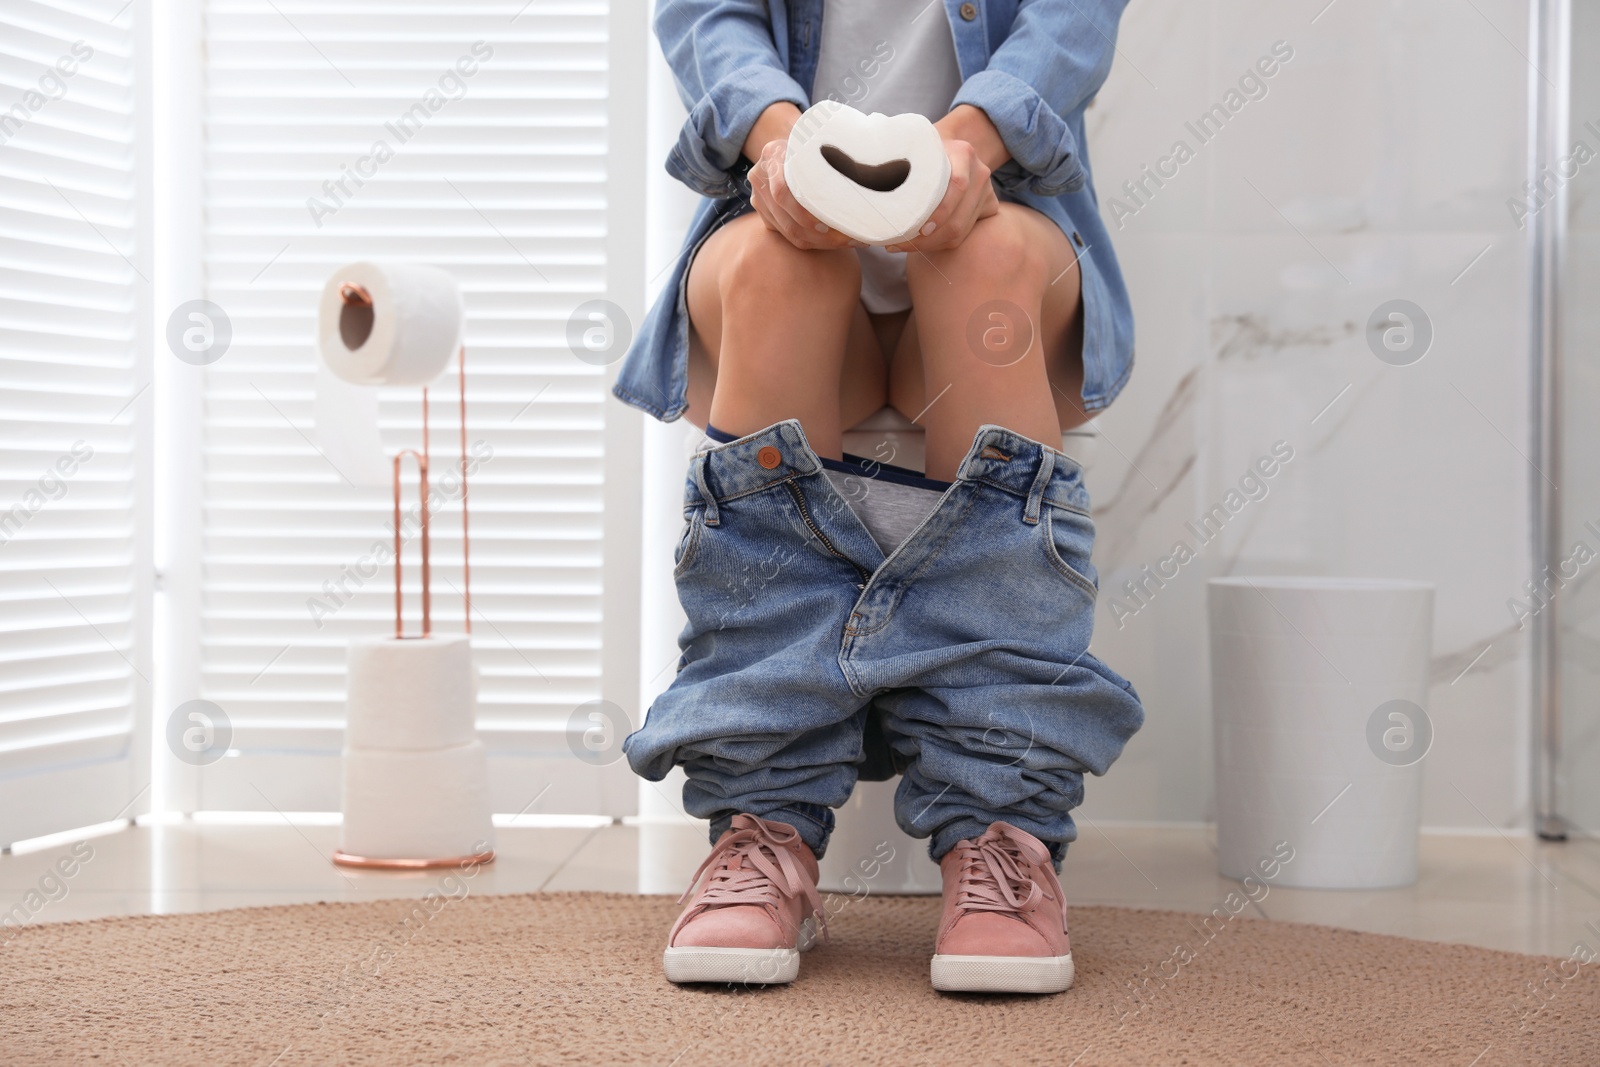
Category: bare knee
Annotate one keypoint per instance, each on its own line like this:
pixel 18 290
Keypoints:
pixel 1001 252
pixel 768 272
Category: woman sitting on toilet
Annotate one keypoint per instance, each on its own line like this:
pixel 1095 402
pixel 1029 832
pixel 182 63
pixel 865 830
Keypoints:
pixel 852 618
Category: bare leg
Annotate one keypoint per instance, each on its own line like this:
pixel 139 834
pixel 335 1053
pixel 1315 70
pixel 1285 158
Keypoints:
pixel 994 337
pixel 779 333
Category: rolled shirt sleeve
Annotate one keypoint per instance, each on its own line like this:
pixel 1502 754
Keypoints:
pixel 1055 58
pixel 728 71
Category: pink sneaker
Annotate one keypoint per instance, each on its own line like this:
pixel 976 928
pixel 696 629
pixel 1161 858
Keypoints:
pixel 1005 917
pixel 756 911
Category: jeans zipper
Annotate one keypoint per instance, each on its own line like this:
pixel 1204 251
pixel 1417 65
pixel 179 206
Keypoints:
pixel 805 513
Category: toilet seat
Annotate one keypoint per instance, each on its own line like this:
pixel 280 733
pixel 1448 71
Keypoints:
pixel 889 437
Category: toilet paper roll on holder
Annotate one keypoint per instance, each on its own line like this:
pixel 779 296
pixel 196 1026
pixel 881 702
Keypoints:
pixel 358 305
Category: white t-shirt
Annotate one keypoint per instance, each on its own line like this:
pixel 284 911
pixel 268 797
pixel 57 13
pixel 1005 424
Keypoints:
pixel 893 57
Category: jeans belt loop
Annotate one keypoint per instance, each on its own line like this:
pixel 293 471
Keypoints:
pixel 1041 481
pixel 699 466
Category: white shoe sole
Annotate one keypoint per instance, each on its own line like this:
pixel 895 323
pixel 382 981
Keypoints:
pixel 742 966
pixel 745 966
pixel 1002 974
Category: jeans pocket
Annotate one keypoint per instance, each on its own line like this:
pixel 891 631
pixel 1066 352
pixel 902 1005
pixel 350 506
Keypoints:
pixel 1068 541
pixel 683 555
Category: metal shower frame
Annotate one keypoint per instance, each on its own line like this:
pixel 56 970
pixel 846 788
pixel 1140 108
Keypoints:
pixel 1550 34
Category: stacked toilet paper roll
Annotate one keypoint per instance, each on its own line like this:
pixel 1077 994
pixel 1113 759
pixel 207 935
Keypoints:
pixel 416 777
pixel 874 177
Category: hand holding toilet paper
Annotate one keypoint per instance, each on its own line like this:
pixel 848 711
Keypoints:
pixel 876 178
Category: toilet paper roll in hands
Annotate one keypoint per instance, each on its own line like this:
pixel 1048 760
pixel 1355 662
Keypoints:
pixel 389 323
pixel 876 178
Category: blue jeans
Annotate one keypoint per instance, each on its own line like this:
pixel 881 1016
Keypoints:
pixel 970 641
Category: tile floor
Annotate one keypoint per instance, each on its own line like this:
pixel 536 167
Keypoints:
pixel 1512 893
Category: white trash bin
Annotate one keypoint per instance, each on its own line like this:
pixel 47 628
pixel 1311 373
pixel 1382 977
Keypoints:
pixel 1318 691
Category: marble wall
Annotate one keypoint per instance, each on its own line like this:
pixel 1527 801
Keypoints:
pixel 1374 164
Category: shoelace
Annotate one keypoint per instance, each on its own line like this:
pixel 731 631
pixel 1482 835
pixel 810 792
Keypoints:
pixel 994 875
pixel 752 864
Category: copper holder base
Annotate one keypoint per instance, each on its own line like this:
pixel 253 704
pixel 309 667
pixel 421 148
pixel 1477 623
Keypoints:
pixel 345 859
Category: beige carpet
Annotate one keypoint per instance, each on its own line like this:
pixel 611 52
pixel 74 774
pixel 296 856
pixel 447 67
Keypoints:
pixel 575 978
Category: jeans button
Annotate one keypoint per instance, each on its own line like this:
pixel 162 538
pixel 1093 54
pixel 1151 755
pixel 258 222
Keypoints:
pixel 969 12
pixel 769 457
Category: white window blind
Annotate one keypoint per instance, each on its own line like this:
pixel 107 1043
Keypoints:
pixel 317 153
pixel 74 594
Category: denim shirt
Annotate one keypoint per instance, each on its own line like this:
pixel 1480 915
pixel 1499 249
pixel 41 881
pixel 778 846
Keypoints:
pixel 1031 65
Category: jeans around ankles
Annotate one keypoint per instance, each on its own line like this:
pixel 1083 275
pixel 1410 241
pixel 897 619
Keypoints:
pixel 970 640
